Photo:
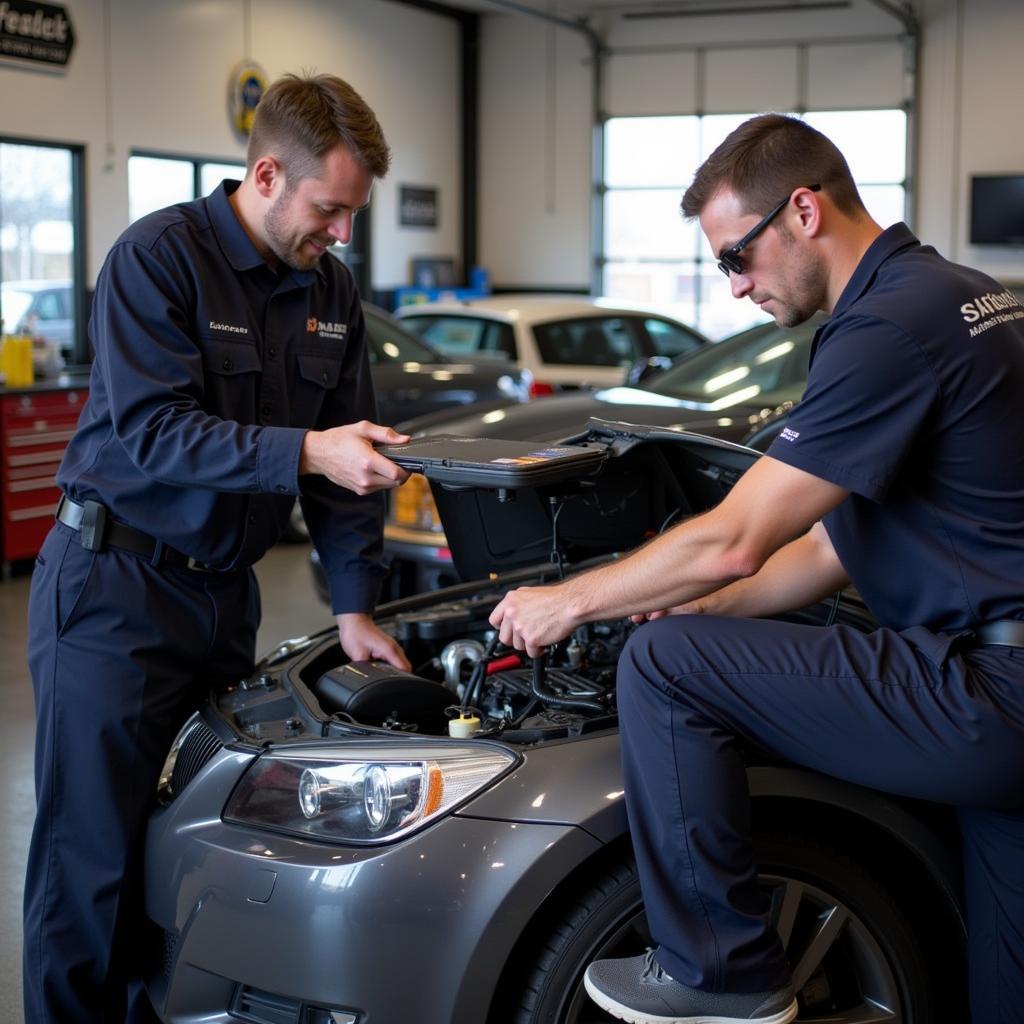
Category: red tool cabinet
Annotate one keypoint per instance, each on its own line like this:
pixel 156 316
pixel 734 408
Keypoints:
pixel 35 427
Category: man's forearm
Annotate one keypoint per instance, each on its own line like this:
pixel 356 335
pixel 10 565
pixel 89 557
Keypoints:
pixel 797 575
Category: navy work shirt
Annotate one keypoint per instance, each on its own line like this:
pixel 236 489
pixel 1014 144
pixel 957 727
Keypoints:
pixel 915 403
pixel 210 366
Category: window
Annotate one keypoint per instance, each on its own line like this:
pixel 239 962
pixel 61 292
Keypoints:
pixel 41 249
pixel 652 256
pixel 589 341
pixel 464 335
pixel 671 339
pixel 156 181
pixel 389 343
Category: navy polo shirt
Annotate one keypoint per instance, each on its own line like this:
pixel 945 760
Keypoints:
pixel 210 366
pixel 915 403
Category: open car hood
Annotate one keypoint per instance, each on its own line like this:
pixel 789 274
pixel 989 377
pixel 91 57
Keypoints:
pixel 648 478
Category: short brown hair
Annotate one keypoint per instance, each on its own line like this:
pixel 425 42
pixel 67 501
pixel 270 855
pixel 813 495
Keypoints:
pixel 299 119
pixel 766 159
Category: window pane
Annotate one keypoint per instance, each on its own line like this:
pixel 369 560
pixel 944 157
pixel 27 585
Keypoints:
pixel 454 335
pixel 886 203
pixel 647 225
pixel 718 313
pixel 589 341
pixel 713 130
pixel 37 241
pixel 767 365
pixel 874 142
pixel 156 182
pixel 211 175
pixel 668 286
pixel 391 344
pixel 670 339
pixel 650 150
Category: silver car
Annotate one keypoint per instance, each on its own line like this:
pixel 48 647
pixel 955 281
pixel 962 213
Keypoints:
pixel 343 842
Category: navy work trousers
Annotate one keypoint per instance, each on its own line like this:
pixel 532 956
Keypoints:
pixel 899 712
pixel 120 653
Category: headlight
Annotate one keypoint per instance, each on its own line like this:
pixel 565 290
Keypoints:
pixel 362 794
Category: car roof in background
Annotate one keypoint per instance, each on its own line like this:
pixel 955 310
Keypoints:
pixel 533 308
pixel 36 284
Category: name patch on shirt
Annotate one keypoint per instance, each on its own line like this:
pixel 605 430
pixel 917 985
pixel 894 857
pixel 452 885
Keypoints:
pixel 326 329
pixel 216 325
pixel 995 308
pixel 788 434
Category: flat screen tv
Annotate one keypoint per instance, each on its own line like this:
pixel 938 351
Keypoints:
pixel 997 209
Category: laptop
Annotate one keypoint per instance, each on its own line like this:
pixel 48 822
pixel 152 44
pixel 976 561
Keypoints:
pixel 458 461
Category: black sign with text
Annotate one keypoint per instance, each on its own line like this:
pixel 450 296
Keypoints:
pixel 417 207
pixel 37 33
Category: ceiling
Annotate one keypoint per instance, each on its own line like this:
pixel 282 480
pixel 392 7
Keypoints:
pixel 576 9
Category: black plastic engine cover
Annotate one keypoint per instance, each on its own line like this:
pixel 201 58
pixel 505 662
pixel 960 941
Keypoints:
pixel 372 691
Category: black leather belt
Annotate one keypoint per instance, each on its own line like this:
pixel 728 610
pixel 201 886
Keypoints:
pixel 99 529
pixel 1005 632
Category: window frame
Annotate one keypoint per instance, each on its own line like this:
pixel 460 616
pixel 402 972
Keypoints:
pixel 80 297
pixel 357 251
pixel 197 162
pixel 701 260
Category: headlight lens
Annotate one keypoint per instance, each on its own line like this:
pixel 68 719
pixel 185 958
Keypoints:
pixel 362 794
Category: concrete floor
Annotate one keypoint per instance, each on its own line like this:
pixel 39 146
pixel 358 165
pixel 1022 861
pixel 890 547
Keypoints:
pixel 290 608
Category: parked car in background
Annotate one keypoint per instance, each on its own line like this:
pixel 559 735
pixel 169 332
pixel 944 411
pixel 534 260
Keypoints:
pixel 328 850
pixel 564 342
pixel 739 389
pixel 411 379
pixel 41 308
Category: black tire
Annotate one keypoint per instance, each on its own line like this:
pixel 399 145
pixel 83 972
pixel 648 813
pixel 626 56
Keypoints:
pixel 871 966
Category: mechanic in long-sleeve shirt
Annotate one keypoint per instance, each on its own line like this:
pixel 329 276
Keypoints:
pixel 230 376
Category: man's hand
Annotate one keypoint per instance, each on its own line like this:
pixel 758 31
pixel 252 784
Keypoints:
pixel 531 618
pixel 362 640
pixel 345 455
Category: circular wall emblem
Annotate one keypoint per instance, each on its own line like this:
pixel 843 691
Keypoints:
pixel 248 83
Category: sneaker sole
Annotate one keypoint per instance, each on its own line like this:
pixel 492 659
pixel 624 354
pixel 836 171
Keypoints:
pixel 631 1016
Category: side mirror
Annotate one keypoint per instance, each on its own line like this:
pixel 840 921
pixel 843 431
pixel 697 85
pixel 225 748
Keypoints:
pixel 643 369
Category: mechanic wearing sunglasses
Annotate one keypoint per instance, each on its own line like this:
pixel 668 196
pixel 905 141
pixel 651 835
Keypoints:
pixel 898 471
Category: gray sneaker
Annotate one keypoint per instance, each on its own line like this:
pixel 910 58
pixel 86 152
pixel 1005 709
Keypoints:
pixel 639 991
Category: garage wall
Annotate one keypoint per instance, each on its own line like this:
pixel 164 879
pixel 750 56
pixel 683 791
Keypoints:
pixel 166 65
pixel 535 144
pixel 968 111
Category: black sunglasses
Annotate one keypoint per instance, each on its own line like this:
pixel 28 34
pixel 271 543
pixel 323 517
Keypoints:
pixel 730 261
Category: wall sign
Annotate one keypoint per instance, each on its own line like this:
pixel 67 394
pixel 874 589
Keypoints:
pixel 248 84
pixel 36 33
pixel 417 207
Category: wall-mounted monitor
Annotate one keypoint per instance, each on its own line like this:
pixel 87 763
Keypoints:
pixel 997 209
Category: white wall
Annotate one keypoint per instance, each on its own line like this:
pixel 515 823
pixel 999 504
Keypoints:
pixel 535 140
pixel 971 121
pixel 169 65
pixel 970 85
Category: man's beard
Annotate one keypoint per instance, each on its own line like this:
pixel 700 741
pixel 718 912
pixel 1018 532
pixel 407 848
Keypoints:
pixel 807 281
pixel 281 241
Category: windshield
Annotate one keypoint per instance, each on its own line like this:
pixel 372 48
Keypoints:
pixel 13 306
pixel 390 343
pixel 766 364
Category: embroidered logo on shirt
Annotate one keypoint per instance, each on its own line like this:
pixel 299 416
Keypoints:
pixel 997 309
pixel 789 435
pixel 326 328
pixel 216 326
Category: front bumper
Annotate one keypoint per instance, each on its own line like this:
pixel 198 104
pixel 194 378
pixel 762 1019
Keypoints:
pixel 419 930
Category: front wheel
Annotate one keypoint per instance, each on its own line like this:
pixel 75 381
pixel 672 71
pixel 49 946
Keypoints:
pixel 855 956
